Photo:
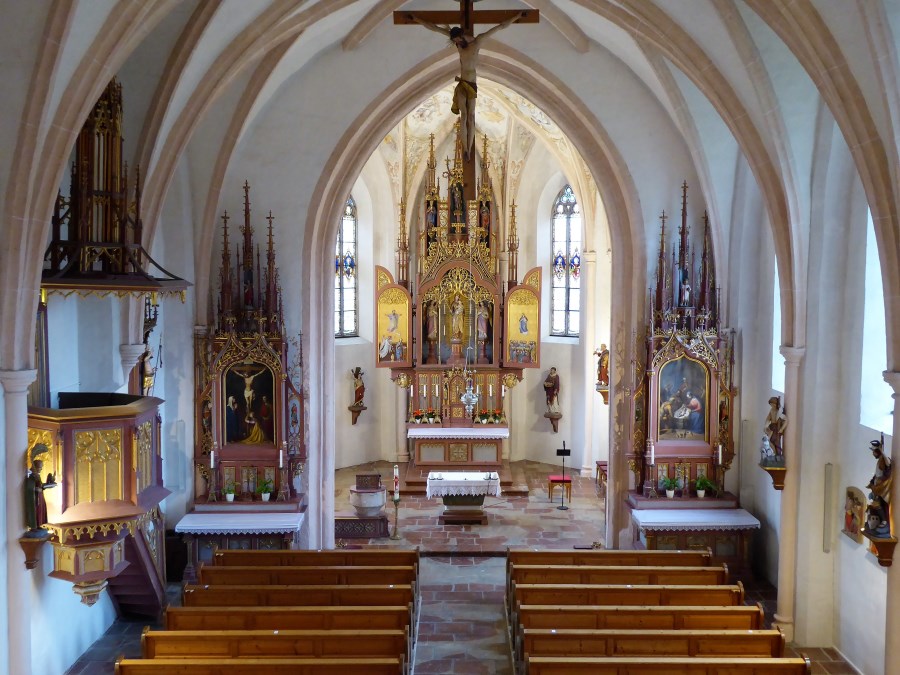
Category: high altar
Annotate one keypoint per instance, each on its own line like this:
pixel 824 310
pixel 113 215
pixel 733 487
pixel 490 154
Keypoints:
pixel 457 328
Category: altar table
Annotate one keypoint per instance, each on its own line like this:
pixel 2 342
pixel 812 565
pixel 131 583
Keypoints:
pixel 728 533
pixel 463 494
pixel 206 532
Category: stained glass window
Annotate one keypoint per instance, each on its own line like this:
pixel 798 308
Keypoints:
pixel 345 277
pixel 565 287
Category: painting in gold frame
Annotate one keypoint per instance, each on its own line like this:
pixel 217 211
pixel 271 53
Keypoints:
pixel 249 396
pixel 683 400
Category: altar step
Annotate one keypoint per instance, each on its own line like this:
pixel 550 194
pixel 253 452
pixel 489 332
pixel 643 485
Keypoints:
pixel 414 479
pixel 723 501
pixel 256 506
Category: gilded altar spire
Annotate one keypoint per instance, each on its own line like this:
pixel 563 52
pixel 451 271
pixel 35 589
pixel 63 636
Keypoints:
pixel 403 250
pixel 485 187
pixel 512 246
pixel 432 186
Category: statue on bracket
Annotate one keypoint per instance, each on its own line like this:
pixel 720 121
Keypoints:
pixel 602 355
pixel 359 392
pixel 771 451
pixel 878 523
pixel 35 505
pixel 551 390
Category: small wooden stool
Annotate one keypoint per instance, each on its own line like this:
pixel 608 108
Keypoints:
pixel 564 482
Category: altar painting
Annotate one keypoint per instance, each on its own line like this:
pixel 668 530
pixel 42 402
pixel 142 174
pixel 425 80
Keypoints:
pixel 249 397
pixel 683 400
pixel 392 326
pixel 522 327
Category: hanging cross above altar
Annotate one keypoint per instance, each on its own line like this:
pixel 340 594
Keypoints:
pixel 468 44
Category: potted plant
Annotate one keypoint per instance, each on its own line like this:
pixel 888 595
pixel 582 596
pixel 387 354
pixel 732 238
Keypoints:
pixel 419 415
pixel 498 415
pixel 670 483
pixel 230 489
pixel 702 484
pixel 431 414
pixel 264 489
pixel 484 417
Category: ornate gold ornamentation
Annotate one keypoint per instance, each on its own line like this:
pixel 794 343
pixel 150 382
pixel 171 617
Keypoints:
pixel 402 380
pixel 521 296
pixel 98 465
pixel 459 452
pixel 533 279
pixel 393 296
pixel 144 462
pixel 382 279
pixel 64 533
pixel 256 350
pixel 510 380
pixel 694 345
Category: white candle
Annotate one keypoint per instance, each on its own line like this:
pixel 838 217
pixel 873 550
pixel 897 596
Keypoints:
pixel 652 454
pixel 212 458
pixel 424 393
pixel 396 482
pixel 435 390
pixel 478 390
pixel 720 453
pixel 490 390
pixel 280 459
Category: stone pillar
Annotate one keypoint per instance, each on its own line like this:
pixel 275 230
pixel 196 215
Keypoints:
pixel 589 392
pixel 18 579
pixel 790 496
pixel 129 355
pixel 402 402
pixel 892 618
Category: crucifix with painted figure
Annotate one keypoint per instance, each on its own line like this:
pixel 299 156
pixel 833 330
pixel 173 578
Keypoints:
pixel 468 44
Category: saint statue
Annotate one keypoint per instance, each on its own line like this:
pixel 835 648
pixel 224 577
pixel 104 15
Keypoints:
pixel 776 423
pixel 482 320
pixel 602 355
pixel 551 390
pixel 456 319
pixel 878 512
pixel 35 504
pixel 359 387
pixel 431 321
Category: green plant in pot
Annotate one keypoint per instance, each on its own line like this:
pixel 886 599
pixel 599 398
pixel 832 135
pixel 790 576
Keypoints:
pixel 265 488
pixel 702 484
pixel 230 489
pixel 670 483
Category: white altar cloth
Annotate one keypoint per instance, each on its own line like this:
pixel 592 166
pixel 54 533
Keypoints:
pixel 694 519
pixel 240 523
pixel 488 431
pixel 456 483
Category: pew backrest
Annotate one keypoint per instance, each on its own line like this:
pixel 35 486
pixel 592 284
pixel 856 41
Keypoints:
pixel 575 665
pixel 313 576
pixel 381 665
pixel 289 618
pixel 616 594
pixel 283 596
pixel 645 575
pixel 652 617
pixel 292 558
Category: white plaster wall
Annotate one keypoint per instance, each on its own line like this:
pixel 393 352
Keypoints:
pixel 62 346
pixel 173 248
pixel 99 325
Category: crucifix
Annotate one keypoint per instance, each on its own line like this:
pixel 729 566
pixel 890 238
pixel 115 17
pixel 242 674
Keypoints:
pixel 468 44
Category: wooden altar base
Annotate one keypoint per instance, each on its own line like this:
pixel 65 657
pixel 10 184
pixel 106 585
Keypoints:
pixel 469 517
pixel 723 501
pixel 513 483
pixel 351 526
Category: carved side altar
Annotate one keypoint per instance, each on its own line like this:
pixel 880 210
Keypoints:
pixel 248 410
pixel 456 330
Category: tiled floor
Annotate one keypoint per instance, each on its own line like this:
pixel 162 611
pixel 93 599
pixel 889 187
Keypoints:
pixel 462 627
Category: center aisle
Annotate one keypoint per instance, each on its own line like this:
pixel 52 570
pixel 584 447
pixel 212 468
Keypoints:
pixel 462 622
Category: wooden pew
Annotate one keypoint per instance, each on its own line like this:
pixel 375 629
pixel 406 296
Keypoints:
pixel 615 594
pixel 375 556
pixel 242 644
pixel 522 555
pixel 284 596
pixel 694 643
pixel 353 617
pixel 644 575
pixel 668 665
pixel 658 617
pixel 331 575
pixel 361 666
pixel 638 617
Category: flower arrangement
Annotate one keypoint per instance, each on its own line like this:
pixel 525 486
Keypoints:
pixel 484 416
pixel 498 415
pixel 431 414
pixel 418 415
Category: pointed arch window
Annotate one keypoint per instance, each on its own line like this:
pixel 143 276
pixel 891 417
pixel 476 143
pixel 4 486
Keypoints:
pixel 565 287
pixel 346 284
